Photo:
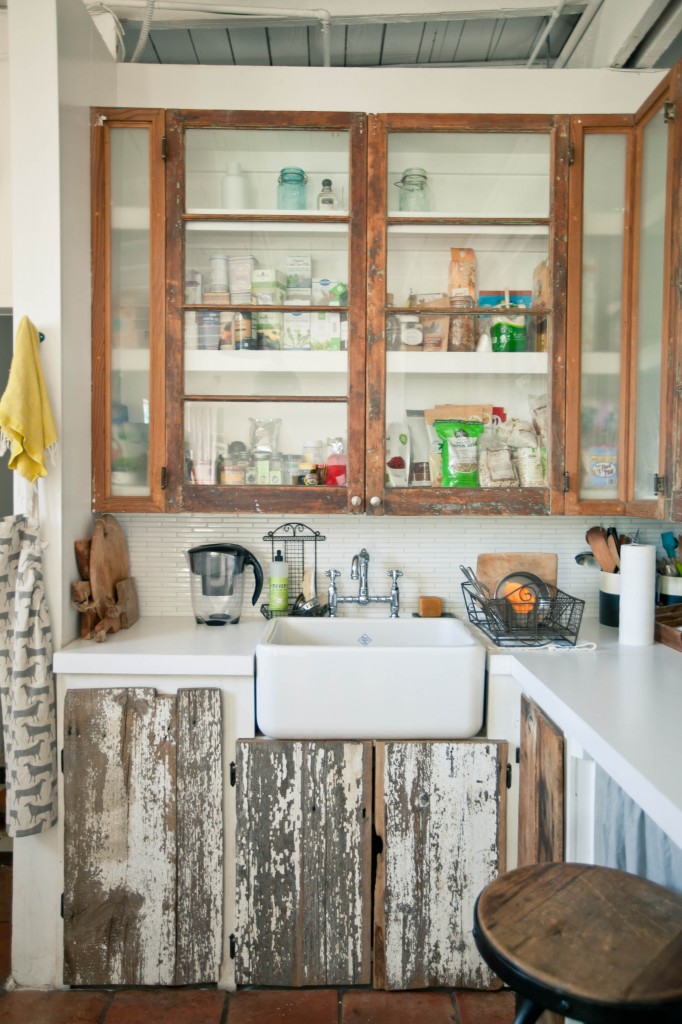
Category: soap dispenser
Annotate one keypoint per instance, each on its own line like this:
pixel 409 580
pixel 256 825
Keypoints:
pixel 279 585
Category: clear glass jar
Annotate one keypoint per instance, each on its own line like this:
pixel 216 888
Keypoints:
pixel 414 196
pixel 411 331
pixel 291 189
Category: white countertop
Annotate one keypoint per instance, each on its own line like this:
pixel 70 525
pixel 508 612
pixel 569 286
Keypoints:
pixel 623 705
pixel 166 645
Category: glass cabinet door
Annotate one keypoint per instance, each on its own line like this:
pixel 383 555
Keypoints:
pixel 128 303
pixel 468 316
pixel 269 313
pixel 651 291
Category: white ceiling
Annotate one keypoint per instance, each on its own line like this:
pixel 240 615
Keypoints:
pixel 628 34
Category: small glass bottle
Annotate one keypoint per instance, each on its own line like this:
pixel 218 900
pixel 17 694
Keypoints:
pixel 414 196
pixel 291 191
pixel 327 199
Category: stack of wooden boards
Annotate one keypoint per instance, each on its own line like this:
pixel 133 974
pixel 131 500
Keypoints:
pixel 105 595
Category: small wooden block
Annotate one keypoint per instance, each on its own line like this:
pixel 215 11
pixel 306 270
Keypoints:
pixel 430 607
pixel 126 607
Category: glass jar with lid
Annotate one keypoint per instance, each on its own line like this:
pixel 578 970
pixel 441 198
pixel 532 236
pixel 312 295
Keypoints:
pixel 291 189
pixel 414 195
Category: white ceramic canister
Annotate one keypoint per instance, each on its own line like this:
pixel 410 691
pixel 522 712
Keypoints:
pixel 234 187
pixel 217 273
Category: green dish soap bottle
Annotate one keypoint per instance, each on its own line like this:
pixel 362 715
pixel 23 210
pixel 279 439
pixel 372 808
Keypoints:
pixel 279 585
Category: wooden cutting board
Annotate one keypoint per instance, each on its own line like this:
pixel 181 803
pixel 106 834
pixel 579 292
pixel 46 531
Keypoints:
pixel 109 564
pixel 490 569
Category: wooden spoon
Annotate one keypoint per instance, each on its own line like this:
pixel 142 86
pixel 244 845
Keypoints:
pixel 596 538
pixel 614 549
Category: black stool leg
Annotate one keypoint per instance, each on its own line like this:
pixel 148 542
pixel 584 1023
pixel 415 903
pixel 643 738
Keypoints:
pixel 527 1012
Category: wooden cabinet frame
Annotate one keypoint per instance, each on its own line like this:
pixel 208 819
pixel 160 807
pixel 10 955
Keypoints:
pixel 104 121
pixel 467 501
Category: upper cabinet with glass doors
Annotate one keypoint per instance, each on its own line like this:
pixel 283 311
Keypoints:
pixel 466 313
pixel 266 263
pixel 622 297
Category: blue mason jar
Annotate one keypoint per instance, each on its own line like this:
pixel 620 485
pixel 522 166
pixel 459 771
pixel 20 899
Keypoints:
pixel 291 193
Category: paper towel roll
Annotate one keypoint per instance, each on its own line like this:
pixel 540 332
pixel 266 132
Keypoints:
pixel 637 594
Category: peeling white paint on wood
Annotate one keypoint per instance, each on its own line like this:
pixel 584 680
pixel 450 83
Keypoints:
pixel 120 837
pixel 303 863
pixel 439 810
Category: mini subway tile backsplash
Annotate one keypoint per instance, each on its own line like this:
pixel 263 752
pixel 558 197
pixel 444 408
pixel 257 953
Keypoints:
pixel 427 550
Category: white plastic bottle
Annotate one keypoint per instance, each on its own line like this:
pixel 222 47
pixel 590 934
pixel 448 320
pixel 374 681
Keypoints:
pixel 279 585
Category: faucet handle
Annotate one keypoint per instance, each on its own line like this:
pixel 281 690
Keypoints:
pixel 332 573
pixel 395 574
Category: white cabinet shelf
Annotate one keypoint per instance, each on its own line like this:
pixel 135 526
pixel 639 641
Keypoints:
pixel 271 361
pixel 478 363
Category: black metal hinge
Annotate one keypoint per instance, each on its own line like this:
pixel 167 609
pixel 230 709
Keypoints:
pixel 571 154
pixel 61 758
pixel 61 904
pixel 669 111
pixel 164 478
pixel 233 773
pixel 567 482
pixel 518 755
pixel 233 946
pixel 164 148
pixel 659 484
pixel 509 775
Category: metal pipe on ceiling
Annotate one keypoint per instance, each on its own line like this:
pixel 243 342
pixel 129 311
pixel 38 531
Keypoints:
pixel 144 31
pixel 545 32
pixel 578 32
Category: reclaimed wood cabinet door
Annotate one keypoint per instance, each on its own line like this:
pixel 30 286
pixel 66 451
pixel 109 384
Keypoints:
pixel 440 812
pixel 541 788
pixel 303 863
pixel 143 837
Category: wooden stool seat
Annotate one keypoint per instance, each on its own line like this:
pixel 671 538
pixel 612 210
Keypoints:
pixel 593 943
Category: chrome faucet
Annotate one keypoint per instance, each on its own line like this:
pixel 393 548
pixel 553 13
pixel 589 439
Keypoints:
pixel 359 570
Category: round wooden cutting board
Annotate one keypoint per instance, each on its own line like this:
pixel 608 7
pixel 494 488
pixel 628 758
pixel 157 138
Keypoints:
pixel 109 564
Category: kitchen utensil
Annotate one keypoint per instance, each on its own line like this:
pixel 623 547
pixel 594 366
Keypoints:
pixel 669 543
pixel 491 568
pixel 481 589
pixel 217 582
pixel 613 546
pixel 586 558
pixel 596 538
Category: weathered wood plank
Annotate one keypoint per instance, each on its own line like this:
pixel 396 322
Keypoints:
pixel 541 788
pixel 441 809
pixel 199 837
pixel 303 863
pixel 119 837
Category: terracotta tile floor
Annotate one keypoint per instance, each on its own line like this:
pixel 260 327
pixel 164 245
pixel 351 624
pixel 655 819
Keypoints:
pixel 248 1006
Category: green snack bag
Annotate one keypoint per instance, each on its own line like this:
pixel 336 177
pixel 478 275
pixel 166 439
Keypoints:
pixel 508 333
pixel 459 451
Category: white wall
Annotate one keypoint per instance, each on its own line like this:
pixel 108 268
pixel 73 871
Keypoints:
pixel 5 217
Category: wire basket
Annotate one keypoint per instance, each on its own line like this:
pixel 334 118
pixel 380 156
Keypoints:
pixel 298 544
pixel 554 618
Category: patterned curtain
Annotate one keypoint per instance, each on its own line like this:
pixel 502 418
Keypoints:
pixel 27 690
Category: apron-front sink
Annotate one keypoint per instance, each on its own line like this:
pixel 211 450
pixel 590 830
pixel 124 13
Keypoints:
pixel 364 678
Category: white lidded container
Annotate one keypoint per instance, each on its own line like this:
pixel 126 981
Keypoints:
pixel 217 273
pixel 234 187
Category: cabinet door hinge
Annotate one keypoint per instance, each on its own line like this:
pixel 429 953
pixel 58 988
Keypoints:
pixel 61 905
pixel 659 484
pixel 61 760
pixel 566 482
pixel 164 478
pixel 668 111
pixel 233 773
pixel 571 154
pixel 164 148
pixel 509 775
pixel 233 946
pixel 518 755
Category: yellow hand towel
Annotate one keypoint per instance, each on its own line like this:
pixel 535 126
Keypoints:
pixel 26 424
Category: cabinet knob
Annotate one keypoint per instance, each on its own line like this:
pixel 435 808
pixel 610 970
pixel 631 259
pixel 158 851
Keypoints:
pixel 375 501
pixel 356 500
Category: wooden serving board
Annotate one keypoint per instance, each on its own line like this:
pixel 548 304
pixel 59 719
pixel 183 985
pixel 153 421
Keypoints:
pixel 490 569
pixel 668 625
pixel 109 564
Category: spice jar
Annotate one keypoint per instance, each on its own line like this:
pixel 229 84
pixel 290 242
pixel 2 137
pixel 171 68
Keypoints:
pixel 413 187
pixel 233 471
pixel 291 191
pixel 411 331
pixel 461 337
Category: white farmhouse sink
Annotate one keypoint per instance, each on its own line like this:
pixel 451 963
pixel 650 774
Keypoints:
pixel 364 678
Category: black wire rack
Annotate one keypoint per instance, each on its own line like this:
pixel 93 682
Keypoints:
pixel 298 544
pixel 553 619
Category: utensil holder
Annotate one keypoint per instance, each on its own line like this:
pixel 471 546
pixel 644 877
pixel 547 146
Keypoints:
pixel 609 598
